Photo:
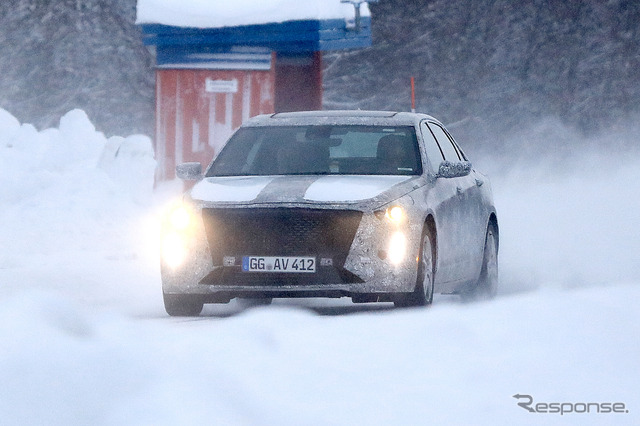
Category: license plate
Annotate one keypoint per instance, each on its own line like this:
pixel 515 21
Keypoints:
pixel 289 264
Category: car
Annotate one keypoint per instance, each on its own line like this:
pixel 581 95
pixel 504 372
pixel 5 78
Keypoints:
pixel 373 205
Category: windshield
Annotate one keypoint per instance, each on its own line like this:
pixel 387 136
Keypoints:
pixel 325 149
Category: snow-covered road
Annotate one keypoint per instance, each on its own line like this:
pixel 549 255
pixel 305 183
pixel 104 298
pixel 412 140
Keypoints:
pixel 86 340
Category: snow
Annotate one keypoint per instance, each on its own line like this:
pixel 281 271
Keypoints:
pixel 86 340
pixel 352 188
pixel 240 189
pixel 231 189
pixel 216 14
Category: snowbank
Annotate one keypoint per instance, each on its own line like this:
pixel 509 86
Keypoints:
pixel 86 340
pixel 216 14
pixel 61 185
pixel 69 195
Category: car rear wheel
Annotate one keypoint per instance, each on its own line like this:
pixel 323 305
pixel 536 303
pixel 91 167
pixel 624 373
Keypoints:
pixel 423 293
pixel 487 285
pixel 182 305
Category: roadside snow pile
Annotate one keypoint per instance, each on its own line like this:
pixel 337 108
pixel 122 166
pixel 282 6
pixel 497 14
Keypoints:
pixel 74 205
pixel 215 14
pixel 68 188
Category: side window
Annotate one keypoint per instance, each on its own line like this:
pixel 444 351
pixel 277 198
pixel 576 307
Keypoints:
pixel 461 153
pixel 449 151
pixel 431 146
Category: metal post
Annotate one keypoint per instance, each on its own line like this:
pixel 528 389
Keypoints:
pixel 356 4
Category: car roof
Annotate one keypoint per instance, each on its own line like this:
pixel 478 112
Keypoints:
pixel 388 118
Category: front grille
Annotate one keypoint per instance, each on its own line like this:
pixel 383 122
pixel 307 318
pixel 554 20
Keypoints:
pixel 281 232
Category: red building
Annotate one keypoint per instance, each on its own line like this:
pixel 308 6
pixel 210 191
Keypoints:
pixel 209 81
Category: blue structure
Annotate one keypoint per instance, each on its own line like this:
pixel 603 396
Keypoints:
pixel 177 43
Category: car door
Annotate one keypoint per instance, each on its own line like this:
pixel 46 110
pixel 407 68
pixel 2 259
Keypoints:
pixel 442 199
pixel 477 215
pixel 453 216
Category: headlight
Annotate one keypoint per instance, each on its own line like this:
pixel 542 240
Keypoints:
pixel 395 214
pixel 173 250
pixel 397 248
pixel 176 235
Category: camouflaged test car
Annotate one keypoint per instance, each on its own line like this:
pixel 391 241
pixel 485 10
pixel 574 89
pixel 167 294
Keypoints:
pixel 375 206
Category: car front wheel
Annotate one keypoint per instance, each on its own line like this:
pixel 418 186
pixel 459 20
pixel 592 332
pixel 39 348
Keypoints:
pixel 423 293
pixel 182 305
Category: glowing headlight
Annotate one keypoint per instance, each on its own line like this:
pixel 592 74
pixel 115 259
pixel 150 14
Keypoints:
pixel 397 248
pixel 176 235
pixel 180 218
pixel 173 250
pixel 395 214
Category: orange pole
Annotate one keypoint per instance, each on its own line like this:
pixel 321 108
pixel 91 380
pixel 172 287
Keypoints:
pixel 413 94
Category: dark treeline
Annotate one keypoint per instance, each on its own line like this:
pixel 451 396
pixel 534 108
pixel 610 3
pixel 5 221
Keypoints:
pixel 56 55
pixel 497 63
pixel 490 64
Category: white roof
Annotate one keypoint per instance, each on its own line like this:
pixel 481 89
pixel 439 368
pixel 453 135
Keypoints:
pixel 225 13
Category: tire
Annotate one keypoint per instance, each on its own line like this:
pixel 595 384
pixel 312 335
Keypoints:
pixel 487 285
pixel 423 293
pixel 182 306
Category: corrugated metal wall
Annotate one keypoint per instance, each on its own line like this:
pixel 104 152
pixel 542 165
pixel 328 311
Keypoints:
pixel 197 110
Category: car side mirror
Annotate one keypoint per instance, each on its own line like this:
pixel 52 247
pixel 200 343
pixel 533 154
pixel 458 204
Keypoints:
pixel 189 171
pixel 450 169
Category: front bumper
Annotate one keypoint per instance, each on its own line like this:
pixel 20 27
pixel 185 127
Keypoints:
pixel 360 268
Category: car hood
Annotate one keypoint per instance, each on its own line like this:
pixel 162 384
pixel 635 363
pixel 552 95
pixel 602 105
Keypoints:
pixel 295 189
